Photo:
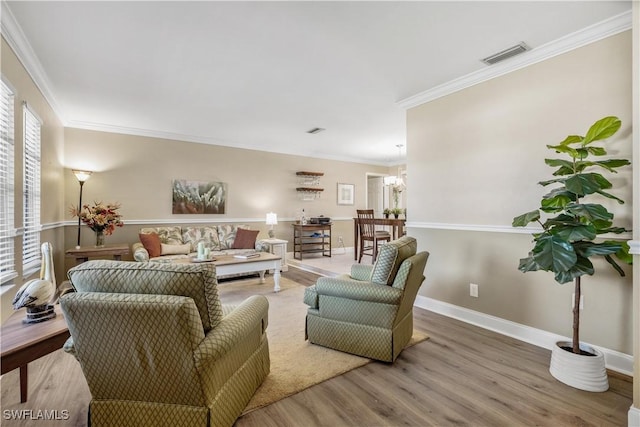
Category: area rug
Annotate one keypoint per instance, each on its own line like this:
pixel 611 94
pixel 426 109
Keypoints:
pixel 295 363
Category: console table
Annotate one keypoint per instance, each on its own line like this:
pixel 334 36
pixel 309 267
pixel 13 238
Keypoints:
pixel 311 238
pixel 83 254
pixel 25 342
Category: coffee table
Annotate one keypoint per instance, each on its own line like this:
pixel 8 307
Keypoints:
pixel 25 342
pixel 229 264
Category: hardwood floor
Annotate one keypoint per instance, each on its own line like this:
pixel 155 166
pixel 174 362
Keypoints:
pixel 462 376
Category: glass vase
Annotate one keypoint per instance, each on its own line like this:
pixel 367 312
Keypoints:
pixel 99 239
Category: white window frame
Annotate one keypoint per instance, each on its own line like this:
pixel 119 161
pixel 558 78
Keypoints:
pixel 31 255
pixel 7 184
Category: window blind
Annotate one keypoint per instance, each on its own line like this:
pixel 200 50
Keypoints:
pixel 7 192
pixel 31 190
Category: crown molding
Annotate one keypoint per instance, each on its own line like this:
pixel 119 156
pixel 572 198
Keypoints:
pixel 591 34
pixel 15 38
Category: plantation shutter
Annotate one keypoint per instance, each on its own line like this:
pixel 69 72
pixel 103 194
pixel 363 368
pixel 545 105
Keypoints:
pixel 7 191
pixel 31 219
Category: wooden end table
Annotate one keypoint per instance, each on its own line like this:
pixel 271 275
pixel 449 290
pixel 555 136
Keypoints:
pixel 25 342
pixel 83 254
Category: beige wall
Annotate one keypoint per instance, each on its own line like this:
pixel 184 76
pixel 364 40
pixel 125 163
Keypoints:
pixel 138 172
pixel 475 157
pixel 52 188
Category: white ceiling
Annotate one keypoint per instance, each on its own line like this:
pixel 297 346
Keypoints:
pixel 260 74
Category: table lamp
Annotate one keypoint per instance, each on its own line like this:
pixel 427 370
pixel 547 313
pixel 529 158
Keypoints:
pixel 82 176
pixel 272 219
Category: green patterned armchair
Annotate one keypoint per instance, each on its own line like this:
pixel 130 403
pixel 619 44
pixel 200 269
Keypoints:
pixel 157 348
pixel 370 312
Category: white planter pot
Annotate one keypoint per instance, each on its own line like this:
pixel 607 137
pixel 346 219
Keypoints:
pixel 583 372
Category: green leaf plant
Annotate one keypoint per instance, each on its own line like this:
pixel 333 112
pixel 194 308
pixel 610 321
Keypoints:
pixel 569 235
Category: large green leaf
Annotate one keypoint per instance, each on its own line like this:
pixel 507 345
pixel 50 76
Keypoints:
pixel 556 200
pixel 615 265
pixel 624 255
pixel 564 149
pixel 580 268
pixel 552 181
pixel 574 233
pixel 597 151
pixel 611 196
pixel 591 211
pixel 572 139
pixel 602 129
pixel 562 219
pixel 528 264
pixel 552 253
pixel 588 249
pixel 524 219
pixel 565 166
pixel 611 164
pixel 587 183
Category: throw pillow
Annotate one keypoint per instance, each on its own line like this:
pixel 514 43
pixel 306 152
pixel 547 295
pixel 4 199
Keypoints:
pixel 175 249
pixel 245 239
pixel 151 243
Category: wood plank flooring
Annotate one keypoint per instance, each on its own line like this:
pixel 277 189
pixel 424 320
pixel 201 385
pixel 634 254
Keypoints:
pixel 462 376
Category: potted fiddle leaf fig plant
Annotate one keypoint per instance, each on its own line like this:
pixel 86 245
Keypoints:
pixel 571 237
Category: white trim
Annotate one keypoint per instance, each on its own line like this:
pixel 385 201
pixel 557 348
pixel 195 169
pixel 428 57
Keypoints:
pixel 173 221
pixel 634 247
pixel 615 360
pixel 496 229
pixel 14 36
pixel 634 417
pixel 593 33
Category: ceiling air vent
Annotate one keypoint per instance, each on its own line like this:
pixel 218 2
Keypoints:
pixel 315 130
pixel 506 54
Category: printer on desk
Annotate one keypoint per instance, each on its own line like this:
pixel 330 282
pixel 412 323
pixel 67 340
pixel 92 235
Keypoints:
pixel 320 220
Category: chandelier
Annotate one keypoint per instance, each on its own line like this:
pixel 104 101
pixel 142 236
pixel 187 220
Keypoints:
pixel 396 182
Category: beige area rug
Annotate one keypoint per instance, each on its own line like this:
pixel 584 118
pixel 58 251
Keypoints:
pixel 295 363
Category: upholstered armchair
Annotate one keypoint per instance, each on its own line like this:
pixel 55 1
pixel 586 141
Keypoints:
pixel 370 311
pixel 157 348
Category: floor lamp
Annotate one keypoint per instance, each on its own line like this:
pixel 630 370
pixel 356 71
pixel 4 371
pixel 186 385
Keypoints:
pixel 82 177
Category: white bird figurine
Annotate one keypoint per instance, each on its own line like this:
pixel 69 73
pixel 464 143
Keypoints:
pixel 36 294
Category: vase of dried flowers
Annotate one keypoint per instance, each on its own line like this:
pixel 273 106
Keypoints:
pixel 101 218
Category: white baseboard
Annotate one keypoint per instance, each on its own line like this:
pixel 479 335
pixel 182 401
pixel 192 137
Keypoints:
pixel 634 417
pixel 615 360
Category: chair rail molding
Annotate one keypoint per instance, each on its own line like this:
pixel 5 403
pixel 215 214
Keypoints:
pixel 497 229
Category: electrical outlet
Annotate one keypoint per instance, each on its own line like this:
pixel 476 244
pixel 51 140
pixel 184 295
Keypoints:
pixel 473 290
pixel 340 239
pixel 573 303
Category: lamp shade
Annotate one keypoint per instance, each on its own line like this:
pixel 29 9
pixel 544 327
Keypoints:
pixel 82 175
pixel 272 218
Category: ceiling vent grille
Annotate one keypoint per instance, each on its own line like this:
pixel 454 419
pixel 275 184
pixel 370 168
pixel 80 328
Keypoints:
pixel 506 54
pixel 315 130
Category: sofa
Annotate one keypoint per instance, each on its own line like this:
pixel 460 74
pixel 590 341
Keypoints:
pixel 167 244
pixel 158 348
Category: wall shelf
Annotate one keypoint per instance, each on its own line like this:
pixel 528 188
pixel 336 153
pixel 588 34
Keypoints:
pixel 309 185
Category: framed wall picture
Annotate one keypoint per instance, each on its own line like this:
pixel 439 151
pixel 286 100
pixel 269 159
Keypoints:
pixel 195 197
pixel 346 194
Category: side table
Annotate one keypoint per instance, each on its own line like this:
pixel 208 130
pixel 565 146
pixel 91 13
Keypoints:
pixel 278 247
pixel 83 254
pixel 25 342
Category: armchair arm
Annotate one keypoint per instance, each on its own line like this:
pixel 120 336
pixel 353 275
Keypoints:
pixel 248 321
pixel 358 290
pixel 361 271
pixel 140 254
